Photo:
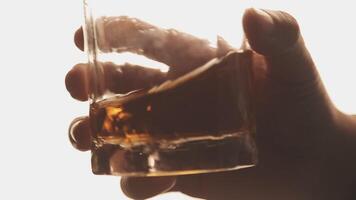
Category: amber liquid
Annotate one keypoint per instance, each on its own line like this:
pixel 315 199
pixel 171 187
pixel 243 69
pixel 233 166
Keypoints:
pixel 184 125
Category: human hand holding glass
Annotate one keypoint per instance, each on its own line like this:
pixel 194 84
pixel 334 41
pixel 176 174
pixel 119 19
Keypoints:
pixel 294 114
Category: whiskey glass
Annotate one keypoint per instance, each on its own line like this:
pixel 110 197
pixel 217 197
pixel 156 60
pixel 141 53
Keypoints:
pixel 170 93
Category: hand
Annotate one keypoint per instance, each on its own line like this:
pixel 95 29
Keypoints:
pixel 306 146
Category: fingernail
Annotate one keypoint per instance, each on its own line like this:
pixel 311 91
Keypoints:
pixel 78 134
pixel 265 20
pixel 223 47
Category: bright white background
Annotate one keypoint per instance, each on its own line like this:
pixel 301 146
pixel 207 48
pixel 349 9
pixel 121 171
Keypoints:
pixel 36 50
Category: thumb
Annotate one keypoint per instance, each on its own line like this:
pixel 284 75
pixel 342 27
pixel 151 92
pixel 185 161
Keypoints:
pixel 293 109
pixel 146 187
pixel 276 35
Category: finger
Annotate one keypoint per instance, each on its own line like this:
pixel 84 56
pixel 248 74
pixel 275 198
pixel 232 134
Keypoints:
pixel 193 51
pixel 79 133
pixel 79 38
pixel 251 183
pixel 146 187
pixel 169 46
pixel 76 82
pixel 291 101
pixel 223 47
pixel 125 78
pixel 118 79
pixel 230 185
pixel 276 35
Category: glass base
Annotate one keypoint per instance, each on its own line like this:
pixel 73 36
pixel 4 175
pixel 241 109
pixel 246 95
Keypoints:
pixel 180 157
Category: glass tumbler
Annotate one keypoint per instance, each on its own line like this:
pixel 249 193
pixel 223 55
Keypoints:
pixel 170 94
